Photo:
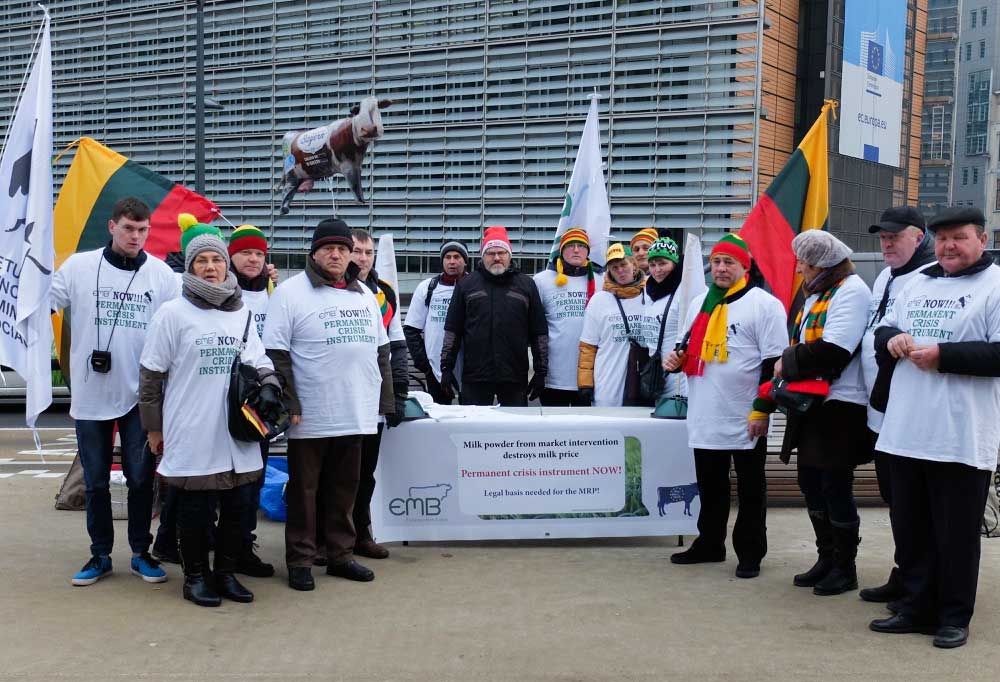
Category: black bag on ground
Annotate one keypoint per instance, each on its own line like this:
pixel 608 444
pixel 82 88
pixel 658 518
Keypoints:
pixel 253 415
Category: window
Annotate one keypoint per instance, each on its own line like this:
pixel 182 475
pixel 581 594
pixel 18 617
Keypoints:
pixel 975 176
pixel 973 23
pixel 976 112
pixel 982 20
pixel 968 51
pixel 982 49
pixel 996 206
pixel 965 176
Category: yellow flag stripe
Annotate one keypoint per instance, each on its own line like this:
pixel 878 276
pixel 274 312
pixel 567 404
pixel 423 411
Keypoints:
pixel 814 149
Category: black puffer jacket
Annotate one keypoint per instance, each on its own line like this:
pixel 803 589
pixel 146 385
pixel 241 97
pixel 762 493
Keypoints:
pixel 496 318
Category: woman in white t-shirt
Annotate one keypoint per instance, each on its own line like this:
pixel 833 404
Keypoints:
pixel 831 438
pixel 663 315
pixel 184 382
pixel 612 322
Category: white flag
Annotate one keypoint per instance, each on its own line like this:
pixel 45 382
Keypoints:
pixel 386 263
pixel 692 281
pixel 586 205
pixel 26 241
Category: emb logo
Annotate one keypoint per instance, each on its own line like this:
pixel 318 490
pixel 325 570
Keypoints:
pixel 421 500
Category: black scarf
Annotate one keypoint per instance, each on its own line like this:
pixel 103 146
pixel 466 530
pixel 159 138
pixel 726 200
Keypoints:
pixel 937 271
pixel 922 256
pixel 318 277
pixel 123 262
pixel 258 283
pixel 658 290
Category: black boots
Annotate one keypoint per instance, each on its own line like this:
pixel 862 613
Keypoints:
pixel 228 547
pixel 199 587
pixel 884 594
pixel 824 547
pixel 844 575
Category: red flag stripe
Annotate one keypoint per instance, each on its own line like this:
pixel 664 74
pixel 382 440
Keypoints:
pixel 769 236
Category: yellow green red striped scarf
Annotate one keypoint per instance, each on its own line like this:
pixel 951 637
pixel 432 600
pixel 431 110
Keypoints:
pixel 816 318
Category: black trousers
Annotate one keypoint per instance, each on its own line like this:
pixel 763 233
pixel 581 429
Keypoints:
pixel 830 491
pixel 937 509
pixel 750 530
pixel 884 477
pixel 507 394
pixel 196 514
pixel 366 485
pixel 253 500
pixel 555 397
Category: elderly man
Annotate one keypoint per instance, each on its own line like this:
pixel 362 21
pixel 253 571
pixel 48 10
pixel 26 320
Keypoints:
pixel 939 352
pixel 736 335
pixel 906 249
pixel 494 316
pixel 424 325
pixel 325 335
pixel 565 288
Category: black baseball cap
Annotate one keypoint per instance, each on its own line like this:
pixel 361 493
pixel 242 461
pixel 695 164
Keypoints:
pixel 897 219
pixel 957 215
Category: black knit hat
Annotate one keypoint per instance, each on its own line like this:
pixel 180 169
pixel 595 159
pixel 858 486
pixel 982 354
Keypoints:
pixel 331 231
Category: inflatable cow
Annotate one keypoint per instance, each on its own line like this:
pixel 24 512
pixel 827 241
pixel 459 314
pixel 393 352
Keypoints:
pixel 334 149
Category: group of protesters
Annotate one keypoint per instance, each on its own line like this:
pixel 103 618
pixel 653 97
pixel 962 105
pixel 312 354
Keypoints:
pixel 904 374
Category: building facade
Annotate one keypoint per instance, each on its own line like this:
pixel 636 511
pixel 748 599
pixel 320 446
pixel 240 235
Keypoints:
pixel 701 104
pixel 938 125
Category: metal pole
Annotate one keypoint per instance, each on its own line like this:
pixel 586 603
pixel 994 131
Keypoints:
pixel 199 100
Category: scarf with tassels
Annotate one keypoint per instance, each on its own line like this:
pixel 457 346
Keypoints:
pixel 576 271
pixel 707 342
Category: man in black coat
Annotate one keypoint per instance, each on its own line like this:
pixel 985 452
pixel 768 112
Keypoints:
pixel 496 314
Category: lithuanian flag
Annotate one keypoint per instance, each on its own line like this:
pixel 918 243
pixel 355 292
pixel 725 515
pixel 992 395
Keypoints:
pixel 796 200
pixel 97 179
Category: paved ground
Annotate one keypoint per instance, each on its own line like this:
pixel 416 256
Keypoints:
pixel 558 610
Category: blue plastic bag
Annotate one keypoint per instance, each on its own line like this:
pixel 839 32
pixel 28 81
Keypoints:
pixel 272 495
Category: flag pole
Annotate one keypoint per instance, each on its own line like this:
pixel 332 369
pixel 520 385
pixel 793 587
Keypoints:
pixel 27 72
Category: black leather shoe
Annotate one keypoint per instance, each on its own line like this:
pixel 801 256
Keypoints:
pixel 950 637
pixel 819 570
pixel 229 587
pixel 747 570
pixel 883 594
pixel 900 625
pixel 166 554
pixel 371 549
pixel 198 590
pixel 351 570
pixel 301 578
pixel 250 564
pixel 319 560
pixel 893 606
pixel 695 555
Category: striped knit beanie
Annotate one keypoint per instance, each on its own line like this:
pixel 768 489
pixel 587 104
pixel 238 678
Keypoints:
pixel 573 236
pixel 733 245
pixel 247 237
pixel 646 234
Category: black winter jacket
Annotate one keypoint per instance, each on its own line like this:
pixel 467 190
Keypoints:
pixel 496 318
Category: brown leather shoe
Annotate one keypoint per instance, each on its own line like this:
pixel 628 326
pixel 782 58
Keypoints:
pixel 371 549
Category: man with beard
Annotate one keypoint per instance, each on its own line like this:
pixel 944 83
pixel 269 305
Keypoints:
pixel 494 316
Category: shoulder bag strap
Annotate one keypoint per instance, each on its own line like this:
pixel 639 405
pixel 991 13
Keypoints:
pixel 663 322
pixel 621 309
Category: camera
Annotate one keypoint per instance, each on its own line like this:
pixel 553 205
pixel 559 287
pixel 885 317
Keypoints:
pixel 100 361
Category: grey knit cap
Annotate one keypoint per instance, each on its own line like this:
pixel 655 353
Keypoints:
pixel 204 242
pixel 455 246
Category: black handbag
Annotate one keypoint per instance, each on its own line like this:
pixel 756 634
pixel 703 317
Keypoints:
pixel 638 360
pixel 253 417
pixel 653 379
pixel 793 401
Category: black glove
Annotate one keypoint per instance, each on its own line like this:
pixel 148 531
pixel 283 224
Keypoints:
pixel 586 394
pixel 396 418
pixel 433 386
pixel 448 384
pixel 536 386
pixel 270 402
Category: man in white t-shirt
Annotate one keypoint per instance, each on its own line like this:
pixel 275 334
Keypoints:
pixel 736 335
pixel 325 335
pixel 566 287
pixel 907 248
pixel 938 352
pixel 111 294
pixel 424 325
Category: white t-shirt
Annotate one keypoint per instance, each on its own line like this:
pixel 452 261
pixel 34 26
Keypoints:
pixel 196 347
pixel 564 307
pixel 869 368
pixel 676 382
pixel 257 302
pixel 720 400
pixel 333 336
pixel 430 319
pixel 95 300
pixel 939 416
pixel 603 327
pixel 846 318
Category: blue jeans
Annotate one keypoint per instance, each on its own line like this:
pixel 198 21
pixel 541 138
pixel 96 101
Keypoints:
pixel 94 440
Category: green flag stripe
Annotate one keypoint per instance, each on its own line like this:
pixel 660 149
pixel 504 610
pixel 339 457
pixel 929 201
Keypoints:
pixel 788 190
pixel 131 180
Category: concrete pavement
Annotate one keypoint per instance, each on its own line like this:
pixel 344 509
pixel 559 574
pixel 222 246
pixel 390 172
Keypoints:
pixel 556 610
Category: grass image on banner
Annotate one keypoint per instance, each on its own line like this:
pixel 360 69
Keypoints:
pixel 798 199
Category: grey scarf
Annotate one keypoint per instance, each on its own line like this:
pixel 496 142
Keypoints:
pixel 226 296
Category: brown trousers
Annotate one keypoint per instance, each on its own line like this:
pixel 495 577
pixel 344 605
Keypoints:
pixel 332 465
